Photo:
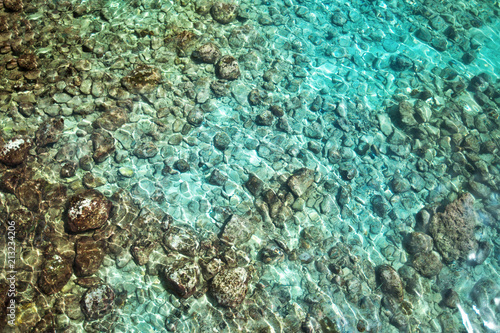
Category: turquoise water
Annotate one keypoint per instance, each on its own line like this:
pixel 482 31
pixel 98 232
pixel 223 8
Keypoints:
pixel 253 166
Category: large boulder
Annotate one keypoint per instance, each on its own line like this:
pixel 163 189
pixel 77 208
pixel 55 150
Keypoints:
pixel 229 287
pixel 453 229
pixel 14 151
pixel 88 210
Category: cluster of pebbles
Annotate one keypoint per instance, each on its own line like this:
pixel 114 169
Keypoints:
pixel 292 166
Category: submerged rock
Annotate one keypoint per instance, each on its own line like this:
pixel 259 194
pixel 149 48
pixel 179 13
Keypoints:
pixel 390 282
pixel 15 151
pixel 453 229
pixel 145 150
pixel 103 144
pixel 224 12
pixel 255 185
pixel 111 120
pixel 229 287
pixel 400 63
pixel 222 141
pixel 98 301
pixel 181 240
pixel 300 181
pixel 142 80
pixel 56 272
pixel 183 277
pixel 227 68
pixel 237 230
pixel 428 264
pixel 419 242
pixel 49 131
pixel 88 210
pixel 208 53
pixel 217 178
pixel 89 256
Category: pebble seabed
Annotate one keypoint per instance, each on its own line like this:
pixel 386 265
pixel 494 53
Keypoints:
pixel 256 166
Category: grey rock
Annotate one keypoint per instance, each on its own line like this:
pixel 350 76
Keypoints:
pixel 400 184
pixel 266 118
pixel 195 117
pixel 255 185
pixel 237 230
pixel 182 277
pixel 400 63
pixel 390 282
pixel 424 35
pixel 224 12
pixel 314 131
pixel 222 141
pixel 208 53
pixel 390 45
pixel 181 165
pixel 380 205
pixel 145 150
pixel 217 178
pixel 300 181
pixel 339 18
pixel 428 264
pixel 419 242
pixel 227 68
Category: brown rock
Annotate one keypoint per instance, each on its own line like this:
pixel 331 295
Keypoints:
pixel 27 62
pixel 390 282
pixel 229 287
pixel 56 272
pixel 15 151
pixel 224 12
pixel 111 120
pixel 30 193
pixel 89 256
pixel 104 145
pixel 49 131
pixel 25 222
pixel 88 210
pixel 11 180
pixel 141 250
pixel 142 80
pixel 13 5
pixel 98 301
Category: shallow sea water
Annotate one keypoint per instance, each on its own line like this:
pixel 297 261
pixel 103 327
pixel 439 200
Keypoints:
pixel 342 210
